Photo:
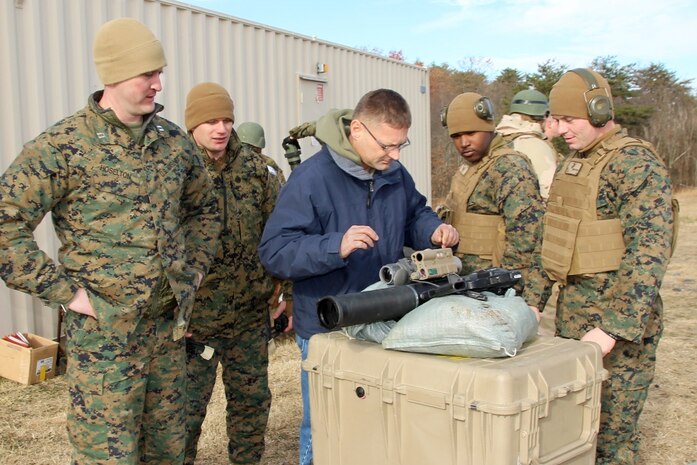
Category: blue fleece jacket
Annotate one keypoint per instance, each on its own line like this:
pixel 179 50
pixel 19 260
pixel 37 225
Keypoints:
pixel 324 196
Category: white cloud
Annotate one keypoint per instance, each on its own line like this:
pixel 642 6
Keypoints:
pixel 518 32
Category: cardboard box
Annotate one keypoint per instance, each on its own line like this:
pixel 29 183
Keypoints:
pixel 28 365
pixel 372 406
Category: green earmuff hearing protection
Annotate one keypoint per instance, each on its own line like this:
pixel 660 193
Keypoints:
pixel 599 106
pixel 483 108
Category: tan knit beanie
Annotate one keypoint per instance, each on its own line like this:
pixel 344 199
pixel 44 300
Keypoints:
pixel 569 96
pixel 206 102
pixel 124 48
pixel 468 113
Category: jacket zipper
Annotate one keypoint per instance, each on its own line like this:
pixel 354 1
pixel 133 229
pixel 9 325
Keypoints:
pixel 225 202
pixel 371 189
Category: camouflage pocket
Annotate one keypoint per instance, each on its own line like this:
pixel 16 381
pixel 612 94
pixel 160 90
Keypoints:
pixel 114 197
pixel 101 419
pixel 111 327
pixel 632 366
pixel 81 331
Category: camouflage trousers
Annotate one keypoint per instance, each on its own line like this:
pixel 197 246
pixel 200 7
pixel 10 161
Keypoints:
pixel 631 368
pixel 126 397
pixel 244 360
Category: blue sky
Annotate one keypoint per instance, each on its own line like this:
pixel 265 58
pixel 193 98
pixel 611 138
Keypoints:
pixel 493 34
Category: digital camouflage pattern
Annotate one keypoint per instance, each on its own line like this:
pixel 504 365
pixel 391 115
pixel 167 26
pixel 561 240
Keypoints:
pixel 243 354
pixel 632 367
pixel 126 212
pixel 246 191
pixel 635 187
pixel 508 188
pixel 232 310
pixel 116 394
pixel 274 169
pixel 136 220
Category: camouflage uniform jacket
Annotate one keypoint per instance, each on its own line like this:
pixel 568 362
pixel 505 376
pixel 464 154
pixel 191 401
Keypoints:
pixel 635 187
pixel 508 188
pixel 237 287
pixel 132 216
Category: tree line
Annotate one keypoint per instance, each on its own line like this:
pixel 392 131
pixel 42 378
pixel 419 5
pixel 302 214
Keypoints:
pixel 650 102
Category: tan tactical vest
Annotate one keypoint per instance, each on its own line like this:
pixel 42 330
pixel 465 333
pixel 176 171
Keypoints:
pixel 575 242
pixel 481 235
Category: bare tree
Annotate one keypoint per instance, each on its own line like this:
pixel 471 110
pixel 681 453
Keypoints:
pixel 672 124
pixel 446 83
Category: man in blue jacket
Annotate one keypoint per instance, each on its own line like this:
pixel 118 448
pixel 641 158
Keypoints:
pixel 344 213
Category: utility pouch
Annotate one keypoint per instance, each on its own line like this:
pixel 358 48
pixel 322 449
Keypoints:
pixel 599 247
pixel 558 244
pixel 478 234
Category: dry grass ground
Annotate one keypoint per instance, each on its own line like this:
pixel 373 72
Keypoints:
pixel 32 418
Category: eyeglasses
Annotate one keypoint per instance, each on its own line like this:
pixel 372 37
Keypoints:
pixel 387 148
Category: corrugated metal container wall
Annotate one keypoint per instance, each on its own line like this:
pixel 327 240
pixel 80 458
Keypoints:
pixel 275 77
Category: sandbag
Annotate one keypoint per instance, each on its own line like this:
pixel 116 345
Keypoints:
pixel 463 326
pixel 376 331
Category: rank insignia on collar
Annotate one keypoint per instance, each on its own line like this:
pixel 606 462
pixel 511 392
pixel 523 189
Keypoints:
pixel 573 168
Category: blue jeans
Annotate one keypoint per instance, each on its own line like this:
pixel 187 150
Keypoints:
pixel 305 431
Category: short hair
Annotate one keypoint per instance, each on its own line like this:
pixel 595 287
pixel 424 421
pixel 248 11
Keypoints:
pixel 384 106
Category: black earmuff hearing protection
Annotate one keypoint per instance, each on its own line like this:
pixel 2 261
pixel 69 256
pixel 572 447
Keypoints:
pixel 483 108
pixel 444 116
pixel 599 107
